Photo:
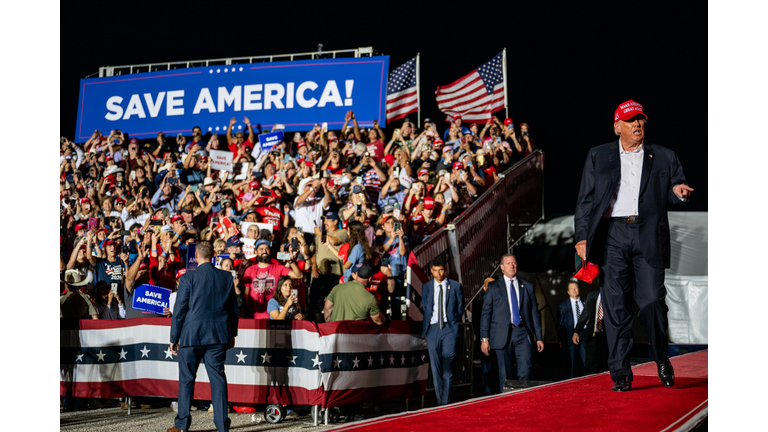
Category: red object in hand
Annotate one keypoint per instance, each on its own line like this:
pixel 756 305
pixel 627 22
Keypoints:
pixel 588 272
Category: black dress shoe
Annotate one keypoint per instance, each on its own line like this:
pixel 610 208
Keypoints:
pixel 624 383
pixel 666 373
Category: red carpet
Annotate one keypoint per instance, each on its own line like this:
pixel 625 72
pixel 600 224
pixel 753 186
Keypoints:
pixel 585 403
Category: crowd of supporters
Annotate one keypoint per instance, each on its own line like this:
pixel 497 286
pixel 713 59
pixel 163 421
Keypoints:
pixel 290 223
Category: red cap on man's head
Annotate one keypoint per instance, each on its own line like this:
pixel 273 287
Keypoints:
pixel 119 200
pixel 429 203
pixel 390 159
pixel 180 273
pixel 627 110
pixel 109 157
pixel 437 141
pixel 456 116
pixel 300 145
pixel 177 217
pixel 110 243
pixel 458 165
pixel 254 185
pixel 422 172
pixel 80 226
pixel 507 121
pixel 134 140
pixel 85 200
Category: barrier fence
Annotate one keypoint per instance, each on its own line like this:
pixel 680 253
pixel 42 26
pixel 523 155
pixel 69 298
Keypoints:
pixel 281 362
pixel 476 240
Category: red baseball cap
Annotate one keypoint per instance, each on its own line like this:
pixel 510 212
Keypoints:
pixel 109 157
pixel 308 163
pixel 627 110
pixel 119 200
pixel 134 140
pixel 456 116
pixel 110 243
pixel 458 165
pixel 254 185
pixel 507 121
pixel 80 226
pixel 473 125
pixel 177 217
pixel 588 272
pixel 180 273
pixel 86 199
pixel 390 159
pixel 300 145
pixel 429 203
pixel 422 172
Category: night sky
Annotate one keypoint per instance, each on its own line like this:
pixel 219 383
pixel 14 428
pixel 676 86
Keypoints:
pixel 568 67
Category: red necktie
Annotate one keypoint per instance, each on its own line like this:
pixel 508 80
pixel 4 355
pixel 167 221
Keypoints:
pixel 600 317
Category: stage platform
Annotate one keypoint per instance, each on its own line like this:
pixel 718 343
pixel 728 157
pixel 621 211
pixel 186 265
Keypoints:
pixel 578 404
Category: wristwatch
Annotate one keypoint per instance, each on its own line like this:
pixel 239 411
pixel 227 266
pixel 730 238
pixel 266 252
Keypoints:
pixel 484 340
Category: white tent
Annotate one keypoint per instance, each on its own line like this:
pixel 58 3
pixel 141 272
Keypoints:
pixel 686 279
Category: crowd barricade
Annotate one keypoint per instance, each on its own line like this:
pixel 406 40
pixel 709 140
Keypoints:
pixel 475 241
pixel 282 362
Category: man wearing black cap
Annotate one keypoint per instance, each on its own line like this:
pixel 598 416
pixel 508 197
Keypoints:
pixel 352 301
pixel 621 224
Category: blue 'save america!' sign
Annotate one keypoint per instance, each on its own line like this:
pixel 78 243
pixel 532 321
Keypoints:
pixel 297 94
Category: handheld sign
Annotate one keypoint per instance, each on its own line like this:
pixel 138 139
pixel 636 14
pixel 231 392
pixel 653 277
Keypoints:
pixel 221 160
pixel 151 298
pixel 270 140
pixel 191 260
pixel 248 247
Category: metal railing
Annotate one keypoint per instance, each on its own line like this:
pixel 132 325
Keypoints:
pixel 476 240
pixel 108 71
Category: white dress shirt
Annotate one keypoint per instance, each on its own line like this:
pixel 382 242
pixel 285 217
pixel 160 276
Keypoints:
pixel 517 291
pixel 436 296
pixel 624 201
pixel 573 309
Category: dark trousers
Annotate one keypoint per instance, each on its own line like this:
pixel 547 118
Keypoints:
pixel 626 274
pixel 517 348
pixel 441 345
pixel 577 352
pixel 597 354
pixel 490 374
pixel 189 361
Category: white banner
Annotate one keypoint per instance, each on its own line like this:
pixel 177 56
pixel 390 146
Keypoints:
pixel 221 160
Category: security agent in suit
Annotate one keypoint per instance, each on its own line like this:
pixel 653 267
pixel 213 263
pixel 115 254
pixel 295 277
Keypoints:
pixel 204 325
pixel 621 224
pixel 593 339
pixel 568 312
pixel 510 320
pixel 443 301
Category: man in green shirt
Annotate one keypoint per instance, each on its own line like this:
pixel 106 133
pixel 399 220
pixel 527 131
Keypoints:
pixel 351 301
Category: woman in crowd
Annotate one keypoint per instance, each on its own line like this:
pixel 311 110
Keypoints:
pixel 284 305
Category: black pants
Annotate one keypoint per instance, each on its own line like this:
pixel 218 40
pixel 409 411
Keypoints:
pixel 597 354
pixel 627 275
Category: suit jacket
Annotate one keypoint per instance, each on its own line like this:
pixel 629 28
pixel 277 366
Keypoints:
pixel 496 316
pixel 588 317
pixel 454 306
pixel 565 320
pixel 601 175
pixel 206 309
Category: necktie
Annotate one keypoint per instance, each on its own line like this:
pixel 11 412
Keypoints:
pixel 440 317
pixel 600 317
pixel 515 308
pixel 578 311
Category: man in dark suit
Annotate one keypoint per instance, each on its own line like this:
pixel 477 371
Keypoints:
pixel 621 224
pixel 593 339
pixel 443 302
pixel 510 320
pixel 568 313
pixel 204 325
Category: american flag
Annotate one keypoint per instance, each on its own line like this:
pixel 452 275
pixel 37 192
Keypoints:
pixel 476 95
pixel 402 91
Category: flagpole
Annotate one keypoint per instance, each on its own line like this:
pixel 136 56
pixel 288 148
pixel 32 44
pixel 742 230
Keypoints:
pixel 504 71
pixel 418 89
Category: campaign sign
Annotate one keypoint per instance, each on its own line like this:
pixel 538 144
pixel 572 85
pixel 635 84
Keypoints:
pixel 191 260
pixel 222 160
pixel 297 94
pixel 269 140
pixel 151 298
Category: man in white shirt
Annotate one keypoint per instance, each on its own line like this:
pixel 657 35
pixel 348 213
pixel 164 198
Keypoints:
pixel 510 321
pixel 621 224
pixel 568 313
pixel 311 205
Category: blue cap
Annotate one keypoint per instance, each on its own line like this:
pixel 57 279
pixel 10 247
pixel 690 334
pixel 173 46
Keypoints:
pixel 262 242
pixel 233 241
